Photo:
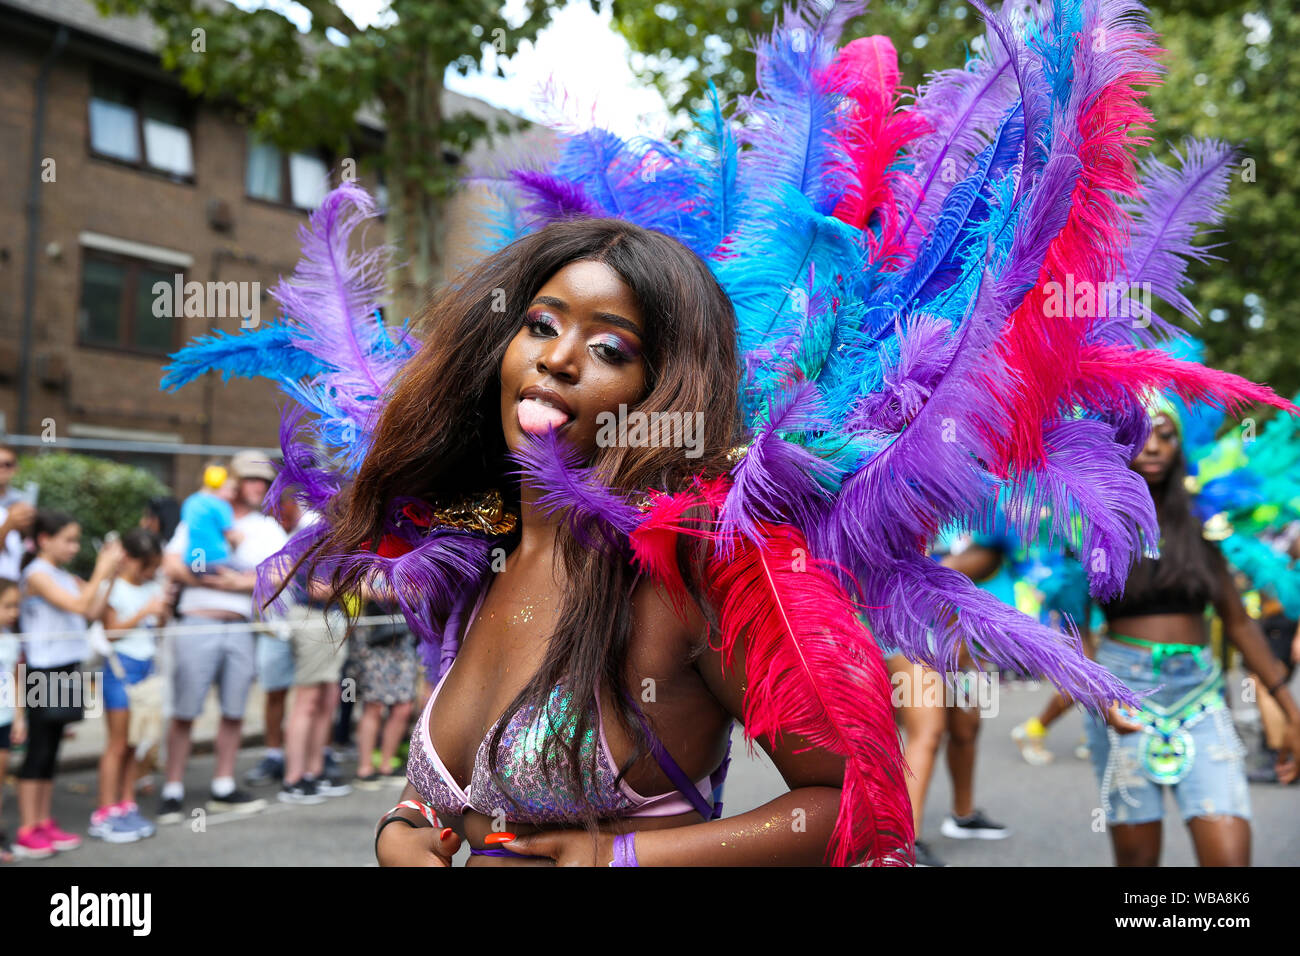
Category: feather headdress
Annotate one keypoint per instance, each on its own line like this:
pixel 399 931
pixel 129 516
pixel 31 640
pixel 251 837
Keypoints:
pixel 930 302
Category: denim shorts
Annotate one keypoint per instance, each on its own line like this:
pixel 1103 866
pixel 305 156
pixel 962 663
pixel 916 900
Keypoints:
pixel 134 670
pixel 1193 749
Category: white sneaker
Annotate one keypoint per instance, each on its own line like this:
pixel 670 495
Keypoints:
pixel 1032 749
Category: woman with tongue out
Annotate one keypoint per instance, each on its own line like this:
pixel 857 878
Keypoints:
pixel 560 326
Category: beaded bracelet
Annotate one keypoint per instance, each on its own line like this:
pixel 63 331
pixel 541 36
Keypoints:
pixel 423 809
pixel 624 850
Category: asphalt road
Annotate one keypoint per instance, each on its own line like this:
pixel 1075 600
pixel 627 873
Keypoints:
pixel 1050 810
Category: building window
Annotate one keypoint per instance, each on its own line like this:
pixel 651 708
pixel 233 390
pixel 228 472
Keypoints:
pixel 298 179
pixel 118 304
pixel 142 129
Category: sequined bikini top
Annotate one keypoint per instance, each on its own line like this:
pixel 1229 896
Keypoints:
pixel 542 798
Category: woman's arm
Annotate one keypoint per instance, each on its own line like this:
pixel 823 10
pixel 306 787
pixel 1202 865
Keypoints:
pixel 418 844
pixel 793 829
pixel 87 601
pixel 1243 631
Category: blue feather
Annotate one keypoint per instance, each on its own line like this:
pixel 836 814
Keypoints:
pixel 267 352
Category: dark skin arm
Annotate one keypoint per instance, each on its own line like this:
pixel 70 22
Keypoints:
pixel 1240 628
pixel 418 844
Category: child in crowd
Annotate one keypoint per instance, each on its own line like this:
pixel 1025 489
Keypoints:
pixel 11 719
pixel 53 617
pixel 136 605
pixel 210 521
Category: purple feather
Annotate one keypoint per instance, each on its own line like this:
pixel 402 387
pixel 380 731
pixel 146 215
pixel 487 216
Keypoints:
pixel 1046 215
pixel 317 486
pixel 963 108
pixel 795 112
pixel 333 297
pixel 275 568
pixel 925 349
pixel 426 581
pixel 598 517
pixel 778 480
pixel 1172 204
pixel 1086 473
pixel 554 197
pixel 916 600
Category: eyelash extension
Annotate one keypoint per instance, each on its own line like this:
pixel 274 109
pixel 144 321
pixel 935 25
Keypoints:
pixel 618 353
pixel 539 318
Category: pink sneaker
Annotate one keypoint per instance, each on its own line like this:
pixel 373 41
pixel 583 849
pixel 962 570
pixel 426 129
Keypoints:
pixel 33 844
pixel 59 839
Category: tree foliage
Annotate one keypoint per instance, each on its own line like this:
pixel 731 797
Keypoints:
pixel 102 495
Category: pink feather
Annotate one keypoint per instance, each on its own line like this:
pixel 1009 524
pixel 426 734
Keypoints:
pixel 813 670
pixel 1042 350
pixel 1110 374
pixel 873 140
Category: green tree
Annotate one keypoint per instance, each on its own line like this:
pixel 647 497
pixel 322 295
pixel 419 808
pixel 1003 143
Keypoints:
pixel 681 46
pixel 102 495
pixel 302 90
pixel 1232 70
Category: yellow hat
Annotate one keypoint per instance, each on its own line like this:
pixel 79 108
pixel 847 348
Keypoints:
pixel 214 476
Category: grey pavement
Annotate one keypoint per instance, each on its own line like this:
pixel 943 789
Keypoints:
pixel 1050 810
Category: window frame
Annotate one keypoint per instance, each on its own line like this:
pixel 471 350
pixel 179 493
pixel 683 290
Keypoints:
pixel 136 94
pixel 126 317
pixel 286 183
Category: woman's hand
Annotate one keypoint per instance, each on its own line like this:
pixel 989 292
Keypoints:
pixel 157 608
pixel 1287 766
pixel 18 731
pixel 1117 717
pixel 566 847
pixel 109 559
pixel 402 845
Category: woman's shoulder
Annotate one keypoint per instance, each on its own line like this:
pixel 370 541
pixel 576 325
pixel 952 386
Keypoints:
pixel 669 632
pixel 36 566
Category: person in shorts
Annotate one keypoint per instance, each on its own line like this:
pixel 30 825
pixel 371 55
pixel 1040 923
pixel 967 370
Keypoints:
pixel 316 633
pixel 215 643
pixel 136 606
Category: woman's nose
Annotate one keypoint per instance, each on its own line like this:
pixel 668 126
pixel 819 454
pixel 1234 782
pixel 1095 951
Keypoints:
pixel 560 356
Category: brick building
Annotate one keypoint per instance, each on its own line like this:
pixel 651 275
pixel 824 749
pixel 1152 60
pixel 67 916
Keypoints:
pixel 133 182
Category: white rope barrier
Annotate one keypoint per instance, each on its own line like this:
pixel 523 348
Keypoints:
pixel 273 627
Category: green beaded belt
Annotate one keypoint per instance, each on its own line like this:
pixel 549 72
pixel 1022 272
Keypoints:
pixel 1160 651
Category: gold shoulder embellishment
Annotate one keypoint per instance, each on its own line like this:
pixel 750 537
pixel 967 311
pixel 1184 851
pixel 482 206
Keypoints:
pixel 478 512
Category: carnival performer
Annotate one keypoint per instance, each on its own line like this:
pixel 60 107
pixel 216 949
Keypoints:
pixel 1182 738
pixel 636 474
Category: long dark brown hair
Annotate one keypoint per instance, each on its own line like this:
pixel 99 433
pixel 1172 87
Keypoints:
pixel 1187 561
pixel 440 436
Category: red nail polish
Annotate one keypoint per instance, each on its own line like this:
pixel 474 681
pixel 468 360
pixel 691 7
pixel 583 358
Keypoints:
pixel 446 832
pixel 494 838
